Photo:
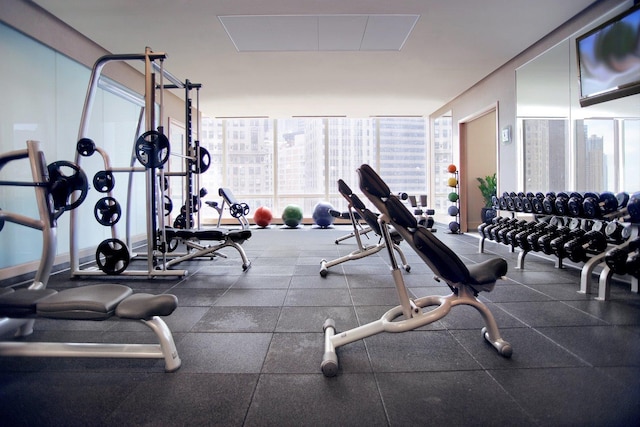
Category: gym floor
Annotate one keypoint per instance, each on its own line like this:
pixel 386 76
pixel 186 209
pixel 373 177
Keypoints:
pixel 251 344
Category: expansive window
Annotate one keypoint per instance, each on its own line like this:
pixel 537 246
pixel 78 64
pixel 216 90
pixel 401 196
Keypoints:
pixel 299 161
pixel 546 145
pixel 442 157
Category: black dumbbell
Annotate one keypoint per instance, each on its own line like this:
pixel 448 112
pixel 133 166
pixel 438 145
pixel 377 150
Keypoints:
pixel 536 203
pixel 501 235
pixel 592 242
pixel 616 232
pixel 557 244
pixel 562 203
pixel 534 238
pixel 616 258
pixel 544 241
pixel 633 264
pixel 503 224
pixel 574 204
pixel 522 238
pixel 510 236
pixel 597 206
pixel 631 212
pixel 549 202
pixel 485 228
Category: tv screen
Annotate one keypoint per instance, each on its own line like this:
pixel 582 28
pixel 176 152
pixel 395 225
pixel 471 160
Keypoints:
pixel 609 59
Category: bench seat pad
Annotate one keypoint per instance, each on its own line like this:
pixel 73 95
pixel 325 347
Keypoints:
pixel 92 302
pixel 22 302
pixel 145 306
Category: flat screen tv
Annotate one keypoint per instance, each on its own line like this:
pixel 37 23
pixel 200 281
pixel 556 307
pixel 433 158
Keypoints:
pixel 609 59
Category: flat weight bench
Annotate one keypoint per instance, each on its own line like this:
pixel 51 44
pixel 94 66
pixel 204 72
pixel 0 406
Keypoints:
pixel 192 238
pixel 92 302
pixel 464 281
pixel 357 210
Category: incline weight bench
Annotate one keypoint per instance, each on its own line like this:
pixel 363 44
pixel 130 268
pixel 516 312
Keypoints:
pixel 237 210
pixel 19 309
pixel 464 281
pixel 357 210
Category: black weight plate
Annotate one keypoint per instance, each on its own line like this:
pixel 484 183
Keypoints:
pixel 107 211
pixel 86 147
pixel 112 256
pixel 104 181
pixel 152 149
pixel 67 190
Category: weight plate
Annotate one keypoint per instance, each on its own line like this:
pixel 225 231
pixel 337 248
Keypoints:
pixel 68 185
pixel 168 205
pixel 107 211
pixel 86 147
pixel 112 256
pixel 152 149
pixel 104 181
pixel 202 165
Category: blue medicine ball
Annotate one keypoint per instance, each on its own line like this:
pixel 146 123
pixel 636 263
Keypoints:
pixel 321 216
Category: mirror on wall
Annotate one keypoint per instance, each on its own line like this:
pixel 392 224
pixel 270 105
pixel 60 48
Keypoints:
pixel 564 146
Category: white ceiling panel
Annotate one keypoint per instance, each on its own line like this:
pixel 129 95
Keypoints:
pixel 388 32
pixel 341 32
pixel 272 33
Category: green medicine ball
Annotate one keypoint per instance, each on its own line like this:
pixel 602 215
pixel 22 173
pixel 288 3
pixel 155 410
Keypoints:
pixel 453 196
pixel 292 215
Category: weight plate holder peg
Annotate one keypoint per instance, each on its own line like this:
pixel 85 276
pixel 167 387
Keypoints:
pixel 107 211
pixel 152 149
pixel 112 256
pixel 65 187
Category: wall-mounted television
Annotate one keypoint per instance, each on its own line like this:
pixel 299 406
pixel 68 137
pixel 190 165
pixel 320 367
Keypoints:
pixel 609 59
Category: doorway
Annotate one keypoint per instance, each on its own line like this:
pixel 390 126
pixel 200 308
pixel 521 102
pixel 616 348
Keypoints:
pixel 478 158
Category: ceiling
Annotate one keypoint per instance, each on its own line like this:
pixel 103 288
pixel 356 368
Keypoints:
pixel 285 69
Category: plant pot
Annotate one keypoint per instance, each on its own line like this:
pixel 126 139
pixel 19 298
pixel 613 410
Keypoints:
pixel 487 214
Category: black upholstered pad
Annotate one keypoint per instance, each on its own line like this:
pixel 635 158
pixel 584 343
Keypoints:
pixel 213 234
pixel 145 306
pixel 92 302
pixel 239 235
pixel 22 302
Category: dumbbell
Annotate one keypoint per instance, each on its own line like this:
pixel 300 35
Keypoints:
pixel 533 238
pixel 557 244
pixel 510 236
pixel 591 242
pixel 485 227
pixel 536 203
pixel 631 212
pixel 633 264
pixel 544 241
pixel 597 206
pixel 518 202
pixel 497 233
pixel 616 232
pixel 522 238
pixel 501 235
pixel 561 203
pixel 549 202
pixel 491 231
pixel 616 258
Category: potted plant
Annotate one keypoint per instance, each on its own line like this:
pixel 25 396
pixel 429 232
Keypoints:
pixel 488 188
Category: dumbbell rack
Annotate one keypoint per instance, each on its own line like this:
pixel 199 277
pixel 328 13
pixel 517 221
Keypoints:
pixel 588 269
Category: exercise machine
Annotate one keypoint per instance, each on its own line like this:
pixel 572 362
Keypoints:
pixel 465 281
pixel 357 210
pixel 58 192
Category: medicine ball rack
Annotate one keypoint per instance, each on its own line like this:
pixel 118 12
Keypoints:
pixel 152 150
pixel 622 235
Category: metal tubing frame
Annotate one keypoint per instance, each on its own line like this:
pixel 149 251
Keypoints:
pixel 166 348
pixel 148 111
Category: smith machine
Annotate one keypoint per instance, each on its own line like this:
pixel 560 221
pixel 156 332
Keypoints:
pixel 152 150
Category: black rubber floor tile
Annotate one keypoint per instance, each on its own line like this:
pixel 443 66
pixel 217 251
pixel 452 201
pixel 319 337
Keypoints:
pixel 313 400
pixel 548 313
pixel 581 396
pixel 238 319
pixel 311 319
pixel 461 398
